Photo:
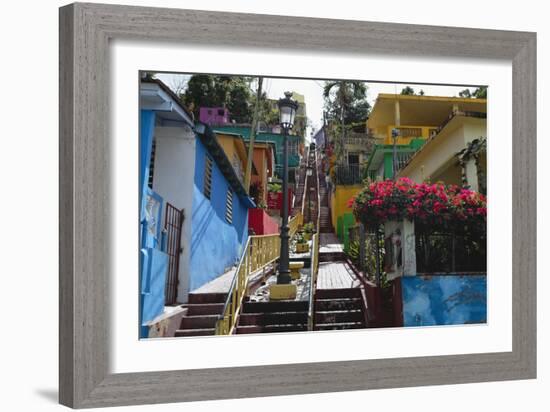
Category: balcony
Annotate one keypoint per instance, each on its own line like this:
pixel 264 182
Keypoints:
pixel 409 133
pixel 353 174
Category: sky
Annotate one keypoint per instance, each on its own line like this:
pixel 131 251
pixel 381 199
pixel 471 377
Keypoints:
pixel 313 92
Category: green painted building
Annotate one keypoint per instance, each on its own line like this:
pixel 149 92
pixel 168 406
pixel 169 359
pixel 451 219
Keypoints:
pixel 380 162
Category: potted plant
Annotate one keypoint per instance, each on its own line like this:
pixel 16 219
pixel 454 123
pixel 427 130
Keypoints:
pixel 308 231
pixel 301 243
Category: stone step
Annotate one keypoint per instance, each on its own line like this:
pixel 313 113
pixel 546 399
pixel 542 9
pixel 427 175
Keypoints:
pixel 279 306
pixel 195 332
pixel 204 309
pixel 337 304
pixel 273 318
pixel 338 316
pixel 338 293
pixel 339 326
pixel 271 328
pixel 199 322
pixel 207 298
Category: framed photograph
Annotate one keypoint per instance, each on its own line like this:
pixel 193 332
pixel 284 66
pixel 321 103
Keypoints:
pixel 256 205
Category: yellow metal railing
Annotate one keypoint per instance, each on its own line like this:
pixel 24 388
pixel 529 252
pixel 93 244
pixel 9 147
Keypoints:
pixel 259 252
pixel 295 223
pixel 315 245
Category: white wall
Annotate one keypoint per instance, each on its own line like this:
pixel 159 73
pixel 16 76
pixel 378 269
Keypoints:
pixel 429 161
pixel 29 36
pixel 173 180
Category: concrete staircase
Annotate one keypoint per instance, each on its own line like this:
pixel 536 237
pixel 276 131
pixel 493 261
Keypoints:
pixel 280 316
pixel 325 221
pixel 337 309
pixel 203 311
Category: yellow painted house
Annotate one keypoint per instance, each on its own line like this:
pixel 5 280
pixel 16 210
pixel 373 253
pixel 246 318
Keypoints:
pixel 429 132
pixel 235 149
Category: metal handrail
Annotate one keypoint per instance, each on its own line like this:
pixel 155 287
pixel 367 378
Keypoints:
pixel 259 251
pixel 313 280
pixel 315 246
pixel 305 183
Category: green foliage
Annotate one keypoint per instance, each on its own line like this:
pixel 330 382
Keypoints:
pixel 274 187
pixel 479 93
pixel 299 238
pixel 308 228
pixel 466 93
pixel 351 96
pixel 232 92
pixel 407 91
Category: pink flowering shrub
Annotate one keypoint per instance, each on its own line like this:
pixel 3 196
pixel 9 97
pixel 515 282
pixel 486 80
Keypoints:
pixel 436 206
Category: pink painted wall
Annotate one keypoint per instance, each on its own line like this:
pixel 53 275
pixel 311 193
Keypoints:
pixel 261 222
pixel 214 115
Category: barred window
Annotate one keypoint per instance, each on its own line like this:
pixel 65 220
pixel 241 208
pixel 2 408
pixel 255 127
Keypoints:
pixel 229 206
pixel 207 190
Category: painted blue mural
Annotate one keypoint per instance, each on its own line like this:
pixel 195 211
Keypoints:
pixel 216 245
pixel 444 300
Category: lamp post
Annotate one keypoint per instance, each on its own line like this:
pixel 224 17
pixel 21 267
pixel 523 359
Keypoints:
pixel 287 111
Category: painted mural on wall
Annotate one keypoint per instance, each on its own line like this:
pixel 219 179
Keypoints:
pixel 444 300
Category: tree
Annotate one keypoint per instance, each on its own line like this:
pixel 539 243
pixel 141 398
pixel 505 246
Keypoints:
pixel 346 101
pixel 407 91
pixel 231 92
pixel 466 94
pixel 478 93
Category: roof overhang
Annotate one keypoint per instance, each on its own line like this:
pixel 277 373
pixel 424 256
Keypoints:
pixel 420 110
pixel 155 96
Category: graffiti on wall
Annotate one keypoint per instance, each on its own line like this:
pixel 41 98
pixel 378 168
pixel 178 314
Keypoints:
pixel 444 300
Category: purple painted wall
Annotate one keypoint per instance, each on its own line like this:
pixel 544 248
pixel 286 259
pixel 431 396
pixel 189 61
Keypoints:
pixel 214 115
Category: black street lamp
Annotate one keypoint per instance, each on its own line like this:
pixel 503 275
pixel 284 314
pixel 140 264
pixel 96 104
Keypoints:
pixel 287 112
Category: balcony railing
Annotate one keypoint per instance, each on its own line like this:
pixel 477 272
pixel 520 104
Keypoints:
pixel 407 133
pixel 349 174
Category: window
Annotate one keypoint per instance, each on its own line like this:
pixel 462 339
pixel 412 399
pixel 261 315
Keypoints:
pixel 353 159
pixel 229 206
pixel 221 112
pixel 207 190
pixel 152 164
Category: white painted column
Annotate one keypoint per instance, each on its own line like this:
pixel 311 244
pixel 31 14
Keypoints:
pixel 397 114
pixel 470 169
pixel 400 239
pixel 455 108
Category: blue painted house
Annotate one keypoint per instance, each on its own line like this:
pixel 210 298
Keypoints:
pixel 193 207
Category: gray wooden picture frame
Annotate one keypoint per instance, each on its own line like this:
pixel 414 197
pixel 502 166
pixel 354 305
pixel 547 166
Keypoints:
pixel 85 31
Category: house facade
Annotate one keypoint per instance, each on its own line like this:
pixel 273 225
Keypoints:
pixel 400 126
pixel 294 144
pixel 264 162
pixel 193 206
pixel 403 123
pixel 214 115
